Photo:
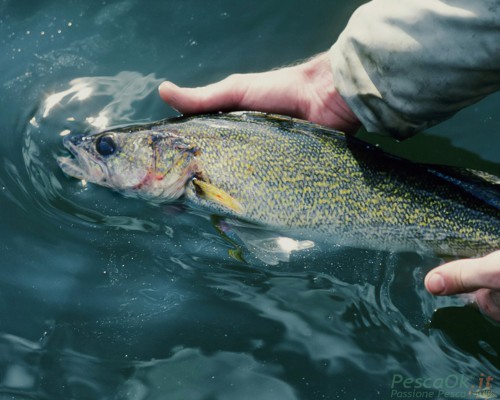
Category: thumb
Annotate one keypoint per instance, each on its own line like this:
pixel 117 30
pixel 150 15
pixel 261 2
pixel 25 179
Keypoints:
pixel 463 276
pixel 215 97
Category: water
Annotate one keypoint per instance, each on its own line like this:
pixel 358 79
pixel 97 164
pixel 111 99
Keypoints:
pixel 109 298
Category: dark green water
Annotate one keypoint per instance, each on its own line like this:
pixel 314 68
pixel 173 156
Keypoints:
pixel 103 297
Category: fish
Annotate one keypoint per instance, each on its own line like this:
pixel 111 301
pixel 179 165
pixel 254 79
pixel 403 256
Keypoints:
pixel 485 393
pixel 293 175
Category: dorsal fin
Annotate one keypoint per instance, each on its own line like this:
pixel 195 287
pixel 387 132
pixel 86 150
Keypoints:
pixel 481 185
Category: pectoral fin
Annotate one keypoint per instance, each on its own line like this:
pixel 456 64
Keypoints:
pixel 268 246
pixel 212 193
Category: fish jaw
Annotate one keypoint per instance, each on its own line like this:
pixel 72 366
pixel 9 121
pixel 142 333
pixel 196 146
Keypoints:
pixel 81 165
pixel 158 188
pixel 70 167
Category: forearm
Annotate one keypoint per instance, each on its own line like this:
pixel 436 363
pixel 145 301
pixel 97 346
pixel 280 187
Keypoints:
pixel 403 66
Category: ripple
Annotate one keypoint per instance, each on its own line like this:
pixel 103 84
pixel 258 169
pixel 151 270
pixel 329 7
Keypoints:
pixel 89 104
pixel 190 374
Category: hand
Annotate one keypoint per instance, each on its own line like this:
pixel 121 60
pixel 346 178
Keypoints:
pixel 478 275
pixel 305 91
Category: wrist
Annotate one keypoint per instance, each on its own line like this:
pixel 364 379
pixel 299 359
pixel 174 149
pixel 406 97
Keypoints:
pixel 327 105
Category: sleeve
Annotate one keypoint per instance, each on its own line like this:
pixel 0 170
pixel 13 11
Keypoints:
pixel 405 65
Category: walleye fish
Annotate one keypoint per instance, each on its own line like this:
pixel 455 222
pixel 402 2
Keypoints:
pixel 282 172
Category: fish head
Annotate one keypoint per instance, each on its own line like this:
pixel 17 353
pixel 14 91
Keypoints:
pixel 145 164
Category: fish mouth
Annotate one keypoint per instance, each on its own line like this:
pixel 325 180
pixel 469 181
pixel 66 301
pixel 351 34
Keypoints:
pixel 80 164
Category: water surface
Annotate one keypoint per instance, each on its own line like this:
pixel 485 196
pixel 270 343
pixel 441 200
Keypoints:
pixel 106 297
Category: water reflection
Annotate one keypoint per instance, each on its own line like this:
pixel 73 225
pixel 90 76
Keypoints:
pixel 329 319
pixel 38 370
pixel 191 374
pixel 238 334
pixel 80 91
pixel 118 93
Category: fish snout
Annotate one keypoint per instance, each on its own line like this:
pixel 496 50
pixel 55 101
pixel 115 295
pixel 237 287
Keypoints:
pixel 72 140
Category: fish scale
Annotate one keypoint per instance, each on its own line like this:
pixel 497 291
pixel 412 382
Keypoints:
pixel 288 173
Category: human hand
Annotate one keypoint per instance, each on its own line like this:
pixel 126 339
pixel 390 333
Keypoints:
pixel 478 275
pixel 304 91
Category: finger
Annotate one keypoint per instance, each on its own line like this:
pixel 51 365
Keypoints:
pixel 488 302
pixel 219 96
pixel 463 276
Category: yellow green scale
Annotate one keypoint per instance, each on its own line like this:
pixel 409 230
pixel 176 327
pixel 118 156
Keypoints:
pixel 290 173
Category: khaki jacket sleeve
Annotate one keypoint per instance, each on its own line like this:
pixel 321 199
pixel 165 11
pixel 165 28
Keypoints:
pixel 405 65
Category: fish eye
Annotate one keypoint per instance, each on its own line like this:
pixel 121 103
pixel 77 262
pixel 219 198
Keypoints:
pixel 105 145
